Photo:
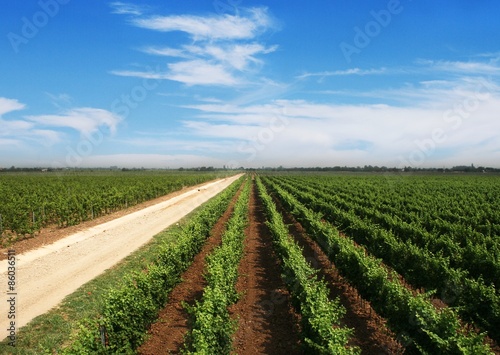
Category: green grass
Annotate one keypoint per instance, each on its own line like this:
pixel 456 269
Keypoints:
pixel 51 331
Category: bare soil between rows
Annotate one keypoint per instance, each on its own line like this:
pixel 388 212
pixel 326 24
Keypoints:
pixel 167 334
pixel 267 323
pixel 266 320
pixel 370 332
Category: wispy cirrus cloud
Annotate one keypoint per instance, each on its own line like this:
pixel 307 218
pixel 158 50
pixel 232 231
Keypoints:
pixel 13 132
pixel 10 130
pixel 168 52
pixel 225 51
pixel 461 67
pixel 199 72
pixel 123 8
pixel 194 72
pixel 237 56
pixel 85 120
pixel 48 130
pixel 425 92
pixel 8 105
pixel 211 27
pixel 346 72
pixel 423 67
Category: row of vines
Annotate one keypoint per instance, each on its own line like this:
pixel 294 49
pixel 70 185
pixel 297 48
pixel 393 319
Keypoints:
pixel 423 251
pixel 420 325
pixel 29 202
pixel 320 316
pixel 430 263
pixel 130 309
pixel 213 328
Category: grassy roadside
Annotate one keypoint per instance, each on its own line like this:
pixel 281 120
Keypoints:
pixel 50 332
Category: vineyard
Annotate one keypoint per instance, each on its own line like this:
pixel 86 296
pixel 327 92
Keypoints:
pixel 390 243
pixel 29 202
pixel 316 264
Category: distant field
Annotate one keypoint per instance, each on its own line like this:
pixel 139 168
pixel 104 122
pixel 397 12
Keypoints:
pixel 31 201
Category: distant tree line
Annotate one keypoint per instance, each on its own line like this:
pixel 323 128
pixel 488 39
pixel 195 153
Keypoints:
pixel 367 168
pixel 370 168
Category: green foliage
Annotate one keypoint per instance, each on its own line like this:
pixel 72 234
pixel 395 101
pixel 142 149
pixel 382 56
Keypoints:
pixel 212 327
pixel 29 202
pixel 321 330
pixel 425 260
pixel 130 309
pixel 87 341
pixel 427 330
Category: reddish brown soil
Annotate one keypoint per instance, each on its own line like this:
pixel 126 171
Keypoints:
pixel 370 334
pixel 436 302
pixel 266 320
pixel 166 336
pixel 53 233
pixel 350 295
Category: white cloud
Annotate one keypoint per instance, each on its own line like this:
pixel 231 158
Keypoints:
pixel 17 131
pixel 208 64
pixel 8 127
pixel 9 105
pixel 234 55
pixel 156 75
pixel 84 120
pixel 459 123
pixel 462 68
pixel 14 132
pixel 224 53
pixel 402 126
pixel 238 56
pixel 439 93
pixel 181 141
pixel 226 27
pixel 194 72
pixel 122 8
pixel 167 52
pixel 456 69
pixel 351 71
pixel 46 137
pixel 199 72
pixel 46 130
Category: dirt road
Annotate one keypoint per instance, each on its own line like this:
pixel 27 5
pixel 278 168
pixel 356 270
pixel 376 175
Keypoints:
pixel 46 275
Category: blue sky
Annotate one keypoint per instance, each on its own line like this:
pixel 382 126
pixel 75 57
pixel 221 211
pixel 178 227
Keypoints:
pixel 249 83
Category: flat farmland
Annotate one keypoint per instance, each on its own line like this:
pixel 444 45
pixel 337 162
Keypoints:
pixel 316 263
